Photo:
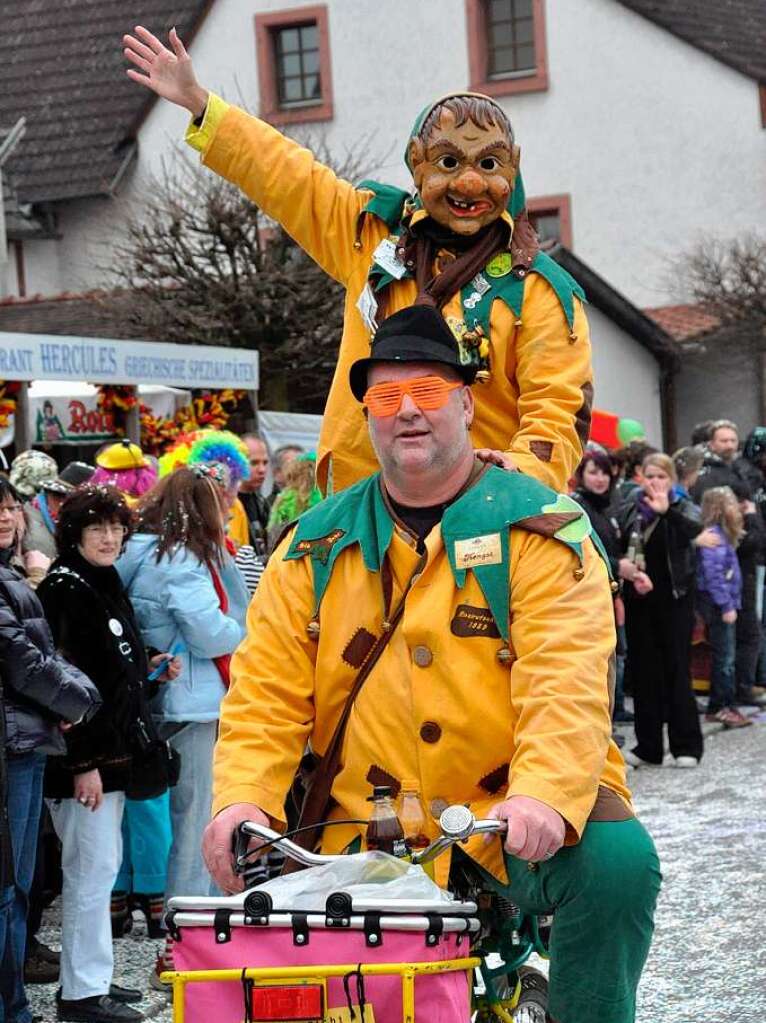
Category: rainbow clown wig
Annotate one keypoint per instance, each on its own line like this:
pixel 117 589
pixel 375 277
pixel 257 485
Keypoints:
pixel 205 447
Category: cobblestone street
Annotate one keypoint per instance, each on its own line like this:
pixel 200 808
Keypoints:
pixel 710 830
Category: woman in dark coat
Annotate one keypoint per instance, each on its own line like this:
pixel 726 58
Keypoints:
pixel 658 527
pixel 595 492
pixel 92 620
pixel 40 695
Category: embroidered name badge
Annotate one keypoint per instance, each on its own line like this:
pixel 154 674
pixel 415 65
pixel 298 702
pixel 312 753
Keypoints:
pixel 386 257
pixel 479 550
pixel 471 621
pixel 320 548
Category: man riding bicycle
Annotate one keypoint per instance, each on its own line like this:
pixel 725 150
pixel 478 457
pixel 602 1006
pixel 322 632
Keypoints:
pixel 493 688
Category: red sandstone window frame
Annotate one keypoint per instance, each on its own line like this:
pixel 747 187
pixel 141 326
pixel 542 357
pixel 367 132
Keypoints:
pixel 561 205
pixel 476 23
pixel 265 27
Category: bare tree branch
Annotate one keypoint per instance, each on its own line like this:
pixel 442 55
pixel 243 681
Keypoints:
pixel 207 266
pixel 728 277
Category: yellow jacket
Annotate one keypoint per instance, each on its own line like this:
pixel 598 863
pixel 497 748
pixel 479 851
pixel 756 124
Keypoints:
pixel 440 705
pixel 238 527
pixel 540 390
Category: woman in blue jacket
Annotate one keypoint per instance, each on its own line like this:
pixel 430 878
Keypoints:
pixel 189 597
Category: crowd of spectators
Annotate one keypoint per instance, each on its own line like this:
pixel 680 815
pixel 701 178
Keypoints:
pixel 686 539
pixel 122 598
pixel 123 594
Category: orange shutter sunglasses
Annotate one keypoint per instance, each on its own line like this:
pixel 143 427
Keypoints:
pixel 427 392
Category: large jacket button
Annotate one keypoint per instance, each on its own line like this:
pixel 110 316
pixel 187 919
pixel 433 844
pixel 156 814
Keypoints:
pixel 422 656
pixel 437 807
pixel 430 732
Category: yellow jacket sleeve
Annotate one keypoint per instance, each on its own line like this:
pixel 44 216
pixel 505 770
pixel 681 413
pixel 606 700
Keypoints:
pixel 555 381
pixel 563 637
pixel 315 207
pixel 268 713
pixel 238 529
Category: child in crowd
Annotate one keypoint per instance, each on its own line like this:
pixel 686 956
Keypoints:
pixel 719 597
pixel 750 554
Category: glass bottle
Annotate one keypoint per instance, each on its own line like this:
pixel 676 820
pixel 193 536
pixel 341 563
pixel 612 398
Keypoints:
pixel 384 830
pixel 412 814
pixel 635 552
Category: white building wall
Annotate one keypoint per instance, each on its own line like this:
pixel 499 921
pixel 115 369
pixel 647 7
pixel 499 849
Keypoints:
pixel 626 376
pixel 656 143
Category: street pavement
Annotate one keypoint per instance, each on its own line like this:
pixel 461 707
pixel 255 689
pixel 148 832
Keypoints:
pixel 708 960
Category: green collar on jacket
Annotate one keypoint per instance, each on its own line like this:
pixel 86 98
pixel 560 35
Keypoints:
pixel 498 501
pixel 393 206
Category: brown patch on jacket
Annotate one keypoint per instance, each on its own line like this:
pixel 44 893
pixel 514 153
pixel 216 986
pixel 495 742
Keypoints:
pixel 377 776
pixel 496 780
pixel 471 621
pixel 320 548
pixel 358 648
pixel 583 414
pixel 550 524
pixel 541 449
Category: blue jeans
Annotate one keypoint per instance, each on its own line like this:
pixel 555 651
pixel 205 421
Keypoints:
pixel 7 968
pixel 723 640
pixel 25 793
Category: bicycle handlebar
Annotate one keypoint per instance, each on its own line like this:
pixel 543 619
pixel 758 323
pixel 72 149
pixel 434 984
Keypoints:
pixel 457 824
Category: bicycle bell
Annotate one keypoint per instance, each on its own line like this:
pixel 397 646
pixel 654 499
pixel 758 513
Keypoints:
pixel 457 822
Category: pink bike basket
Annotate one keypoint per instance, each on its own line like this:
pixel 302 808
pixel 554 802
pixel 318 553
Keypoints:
pixel 236 933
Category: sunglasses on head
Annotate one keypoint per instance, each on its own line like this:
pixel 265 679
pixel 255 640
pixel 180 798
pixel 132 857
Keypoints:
pixel 428 393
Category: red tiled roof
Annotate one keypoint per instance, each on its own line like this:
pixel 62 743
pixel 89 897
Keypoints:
pixel 684 322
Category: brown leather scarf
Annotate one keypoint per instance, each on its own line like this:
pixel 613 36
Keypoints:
pixel 418 249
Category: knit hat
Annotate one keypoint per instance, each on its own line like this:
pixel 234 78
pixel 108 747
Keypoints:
pixel 30 470
pixel 418 333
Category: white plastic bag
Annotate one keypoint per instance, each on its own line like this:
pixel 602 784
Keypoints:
pixel 364 876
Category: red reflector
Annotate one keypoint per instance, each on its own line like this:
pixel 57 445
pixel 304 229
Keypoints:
pixel 297 1002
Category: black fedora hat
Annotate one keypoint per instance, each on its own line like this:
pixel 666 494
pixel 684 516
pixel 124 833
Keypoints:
pixel 418 333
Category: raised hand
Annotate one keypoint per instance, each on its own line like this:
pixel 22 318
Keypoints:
pixel 169 73
pixel 657 496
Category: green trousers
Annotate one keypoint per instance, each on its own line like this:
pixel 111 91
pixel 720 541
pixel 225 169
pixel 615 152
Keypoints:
pixel 602 893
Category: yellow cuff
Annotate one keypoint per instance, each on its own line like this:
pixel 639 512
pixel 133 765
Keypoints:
pixel 267 800
pixel 199 138
pixel 575 815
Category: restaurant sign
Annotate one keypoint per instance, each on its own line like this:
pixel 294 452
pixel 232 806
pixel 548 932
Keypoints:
pixel 105 361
